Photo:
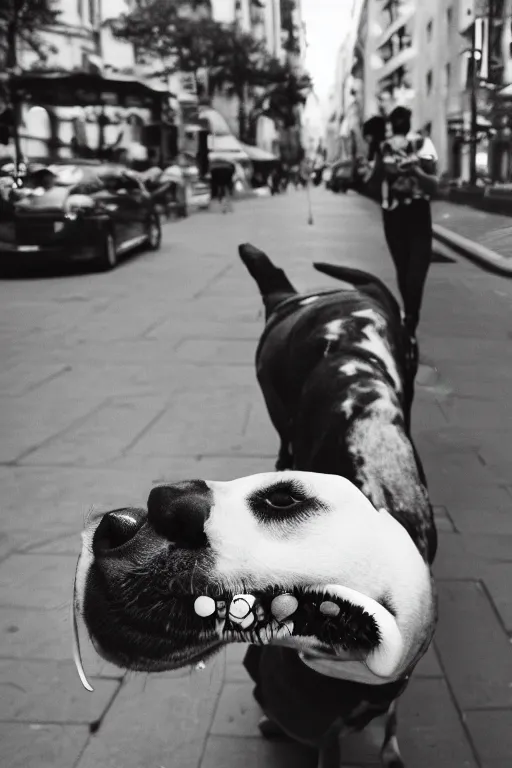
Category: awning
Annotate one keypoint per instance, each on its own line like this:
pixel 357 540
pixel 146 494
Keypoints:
pixel 84 89
pixel 227 147
pixel 258 155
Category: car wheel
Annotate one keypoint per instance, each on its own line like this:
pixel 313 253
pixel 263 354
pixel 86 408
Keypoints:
pixel 154 236
pixel 107 256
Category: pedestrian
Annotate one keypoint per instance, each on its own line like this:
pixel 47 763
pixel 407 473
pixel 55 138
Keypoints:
pixel 408 171
pixel 222 174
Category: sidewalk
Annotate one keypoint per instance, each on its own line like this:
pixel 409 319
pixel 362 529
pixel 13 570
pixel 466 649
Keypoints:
pixel 483 237
pixel 113 383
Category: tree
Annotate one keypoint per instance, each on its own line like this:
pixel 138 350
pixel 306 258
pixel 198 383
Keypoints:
pixel 182 37
pixel 174 35
pixel 287 90
pixel 21 22
pixel 242 64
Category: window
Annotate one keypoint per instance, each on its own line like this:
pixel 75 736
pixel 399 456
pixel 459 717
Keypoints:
pixel 447 76
pixel 430 78
pixel 430 28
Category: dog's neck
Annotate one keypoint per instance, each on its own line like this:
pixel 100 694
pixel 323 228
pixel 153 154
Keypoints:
pixel 385 467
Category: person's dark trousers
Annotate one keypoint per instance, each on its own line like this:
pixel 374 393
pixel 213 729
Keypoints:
pixel 408 231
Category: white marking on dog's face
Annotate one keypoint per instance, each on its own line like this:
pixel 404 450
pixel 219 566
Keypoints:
pixel 375 342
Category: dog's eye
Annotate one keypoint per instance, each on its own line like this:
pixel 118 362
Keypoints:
pixel 281 500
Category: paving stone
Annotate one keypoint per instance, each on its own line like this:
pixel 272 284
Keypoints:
pixel 443 520
pixel 30 745
pixel 486 519
pixel 491 733
pixel 37 581
pixel 157 722
pixel 237 713
pixel 429 731
pixel 49 691
pixel 469 556
pixel 195 327
pixel 23 429
pixel 46 635
pixel 229 352
pixel 235 671
pixel 474 649
pixel 498 581
pixel 24 376
pixel 101 436
pixel 429 665
pixel 256 753
pixel 179 431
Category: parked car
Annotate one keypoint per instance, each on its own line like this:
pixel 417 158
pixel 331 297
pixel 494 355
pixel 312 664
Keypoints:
pixel 342 176
pixel 79 211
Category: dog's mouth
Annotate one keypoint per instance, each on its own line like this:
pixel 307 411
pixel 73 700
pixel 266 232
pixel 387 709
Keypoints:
pixel 321 621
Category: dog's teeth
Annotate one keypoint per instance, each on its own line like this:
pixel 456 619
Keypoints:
pixel 240 610
pixel 285 630
pixel 204 606
pixel 283 606
pixel 329 609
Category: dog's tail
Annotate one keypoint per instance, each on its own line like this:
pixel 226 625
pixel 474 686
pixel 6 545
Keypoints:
pixel 366 282
pixel 272 282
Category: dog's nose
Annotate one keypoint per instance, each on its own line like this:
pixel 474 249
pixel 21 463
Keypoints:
pixel 115 529
pixel 178 512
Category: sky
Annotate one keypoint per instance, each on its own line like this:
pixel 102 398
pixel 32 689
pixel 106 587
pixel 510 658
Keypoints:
pixel 326 22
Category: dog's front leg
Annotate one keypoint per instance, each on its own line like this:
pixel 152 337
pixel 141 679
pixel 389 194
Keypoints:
pixel 390 753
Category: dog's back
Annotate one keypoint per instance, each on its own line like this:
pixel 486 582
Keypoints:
pixel 331 367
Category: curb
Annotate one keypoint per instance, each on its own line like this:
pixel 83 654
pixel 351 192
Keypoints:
pixel 474 252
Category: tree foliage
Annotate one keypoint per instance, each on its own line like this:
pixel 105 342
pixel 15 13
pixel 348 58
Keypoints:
pixel 21 22
pixel 181 36
pixel 287 90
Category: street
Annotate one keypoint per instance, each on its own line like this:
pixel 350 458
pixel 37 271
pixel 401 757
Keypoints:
pixel 111 383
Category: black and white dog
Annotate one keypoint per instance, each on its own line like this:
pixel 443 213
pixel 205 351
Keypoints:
pixel 299 560
pixel 336 370
pixel 325 566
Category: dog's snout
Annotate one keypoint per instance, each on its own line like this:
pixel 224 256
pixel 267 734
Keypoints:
pixel 178 512
pixel 115 529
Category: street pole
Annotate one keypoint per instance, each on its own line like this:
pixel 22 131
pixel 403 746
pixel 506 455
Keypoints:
pixel 12 68
pixel 474 111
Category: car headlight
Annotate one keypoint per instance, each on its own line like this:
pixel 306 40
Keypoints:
pixel 77 204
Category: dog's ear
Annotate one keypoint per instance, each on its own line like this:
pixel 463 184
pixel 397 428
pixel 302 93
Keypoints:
pixel 272 282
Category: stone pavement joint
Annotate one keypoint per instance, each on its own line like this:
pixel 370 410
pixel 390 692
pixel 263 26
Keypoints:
pixel 112 383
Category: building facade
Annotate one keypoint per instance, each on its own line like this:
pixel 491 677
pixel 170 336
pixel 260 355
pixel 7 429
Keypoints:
pixel 432 56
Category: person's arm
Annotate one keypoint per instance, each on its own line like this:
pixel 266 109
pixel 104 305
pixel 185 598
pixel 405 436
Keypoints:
pixel 425 169
pixel 428 182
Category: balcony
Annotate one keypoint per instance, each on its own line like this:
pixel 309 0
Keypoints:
pixel 402 58
pixel 404 17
